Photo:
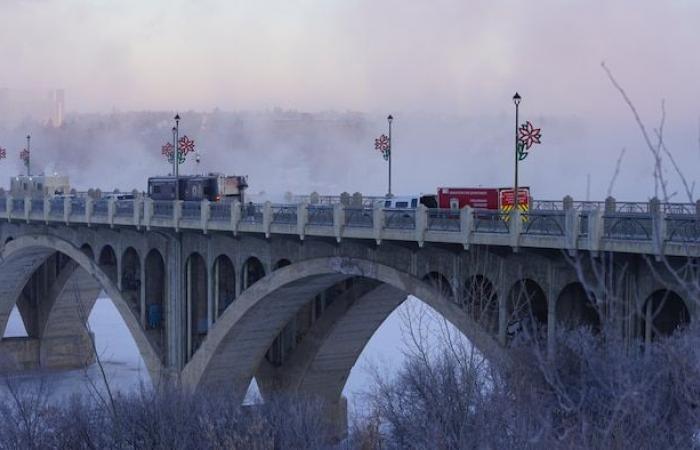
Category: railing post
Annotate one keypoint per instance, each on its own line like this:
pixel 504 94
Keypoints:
pixel 421 220
pixel 137 212
pixel 47 208
pixel 378 219
pixel 27 207
pixel 466 225
pixel 8 207
pixel 147 212
pixel 571 223
pixel 302 218
pixel 658 221
pixel 339 218
pixel 177 214
pixel 110 212
pixel 515 229
pixel 697 208
pixel 610 205
pixel 89 208
pixel 205 213
pixel 67 207
pixel 235 216
pixel 267 218
pixel 596 229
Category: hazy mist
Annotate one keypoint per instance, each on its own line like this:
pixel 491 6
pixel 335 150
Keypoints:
pixel 445 69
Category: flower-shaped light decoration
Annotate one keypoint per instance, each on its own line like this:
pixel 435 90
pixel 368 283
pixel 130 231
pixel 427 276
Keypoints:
pixel 3 153
pixel 167 150
pixel 186 145
pixel 24 156
pixel 383 144
pixel 529 135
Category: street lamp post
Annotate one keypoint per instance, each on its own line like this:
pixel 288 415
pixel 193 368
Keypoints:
pixel 516 101
pixel 389 119
pixel 176 156
pixel 29 157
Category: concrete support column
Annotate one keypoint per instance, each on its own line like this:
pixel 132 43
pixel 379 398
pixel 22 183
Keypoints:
pixel 466 225
pixel 338 220
pixel 142 293
pixel 551 310
pixel 205 214
pixel 175 307
pixel 267 218
pixel 67 209
pixel 211 295
pixel 147 212
pixel 302 219
pixel 177 214
pixel 697 208
pixel 502 305
pixel 89 207
pixel 378 219
pixel 235 216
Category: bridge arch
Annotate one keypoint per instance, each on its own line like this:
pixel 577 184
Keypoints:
pixel 155 290
pixel 238 342
pixel 576 307
pixel 108 262
pixel 224 283
pixel 527 308
pixel 663 313
pixel 284 262
pixel 481 301
pixel 196 299
pixel 253 270
pixel 87 249
pixel 130 282
pixel 20 258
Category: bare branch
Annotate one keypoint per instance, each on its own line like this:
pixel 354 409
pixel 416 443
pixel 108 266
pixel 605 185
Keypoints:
pixel 618 164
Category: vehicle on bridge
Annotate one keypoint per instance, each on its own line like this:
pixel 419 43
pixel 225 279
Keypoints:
pixel 214 187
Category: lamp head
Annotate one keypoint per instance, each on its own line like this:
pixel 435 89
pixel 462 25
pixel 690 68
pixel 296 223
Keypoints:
pixel 516 99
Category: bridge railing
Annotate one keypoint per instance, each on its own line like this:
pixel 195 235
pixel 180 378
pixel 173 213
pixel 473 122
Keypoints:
pixel 162 209
pixel 486 221
pixel 285 214
pixel 444 220
pixel 359 217
pixel 192 210
pixel 565 223
pixel 400 219
pixel 220 211
pixel 320 215
pixel 544 223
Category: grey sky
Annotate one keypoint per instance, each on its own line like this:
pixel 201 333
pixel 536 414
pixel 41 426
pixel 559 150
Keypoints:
pixel 427 62
pixel 455 56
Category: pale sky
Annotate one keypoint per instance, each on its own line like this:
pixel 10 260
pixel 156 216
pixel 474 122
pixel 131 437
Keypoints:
pixel 454 56
pixel 420 60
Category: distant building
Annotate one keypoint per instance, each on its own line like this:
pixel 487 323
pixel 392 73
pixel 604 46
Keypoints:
pixel 39 185
pixel 47 106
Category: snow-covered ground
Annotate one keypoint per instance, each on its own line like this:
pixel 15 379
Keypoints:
pixel 125 368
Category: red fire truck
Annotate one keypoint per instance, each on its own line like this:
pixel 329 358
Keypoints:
pixel 481 198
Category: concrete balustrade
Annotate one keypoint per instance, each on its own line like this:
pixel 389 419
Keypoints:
pixel 580 227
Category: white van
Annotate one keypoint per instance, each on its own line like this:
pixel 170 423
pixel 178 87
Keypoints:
pixel 403 202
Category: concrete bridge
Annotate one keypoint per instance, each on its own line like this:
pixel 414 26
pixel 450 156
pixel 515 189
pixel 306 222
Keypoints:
pixel 215 294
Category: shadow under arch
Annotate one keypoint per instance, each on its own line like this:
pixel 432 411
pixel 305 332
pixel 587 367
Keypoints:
pixel 237 343
pixel 664 312
pixel 21 257
pixel 576 307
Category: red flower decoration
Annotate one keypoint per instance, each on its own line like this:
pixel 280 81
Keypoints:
pixel 167 149
pixel 529 135
pixel 24 155
pixel 186 145
pixel 381 143
pixel 3 153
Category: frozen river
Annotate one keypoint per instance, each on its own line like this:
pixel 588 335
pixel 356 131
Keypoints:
pixel 126 371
